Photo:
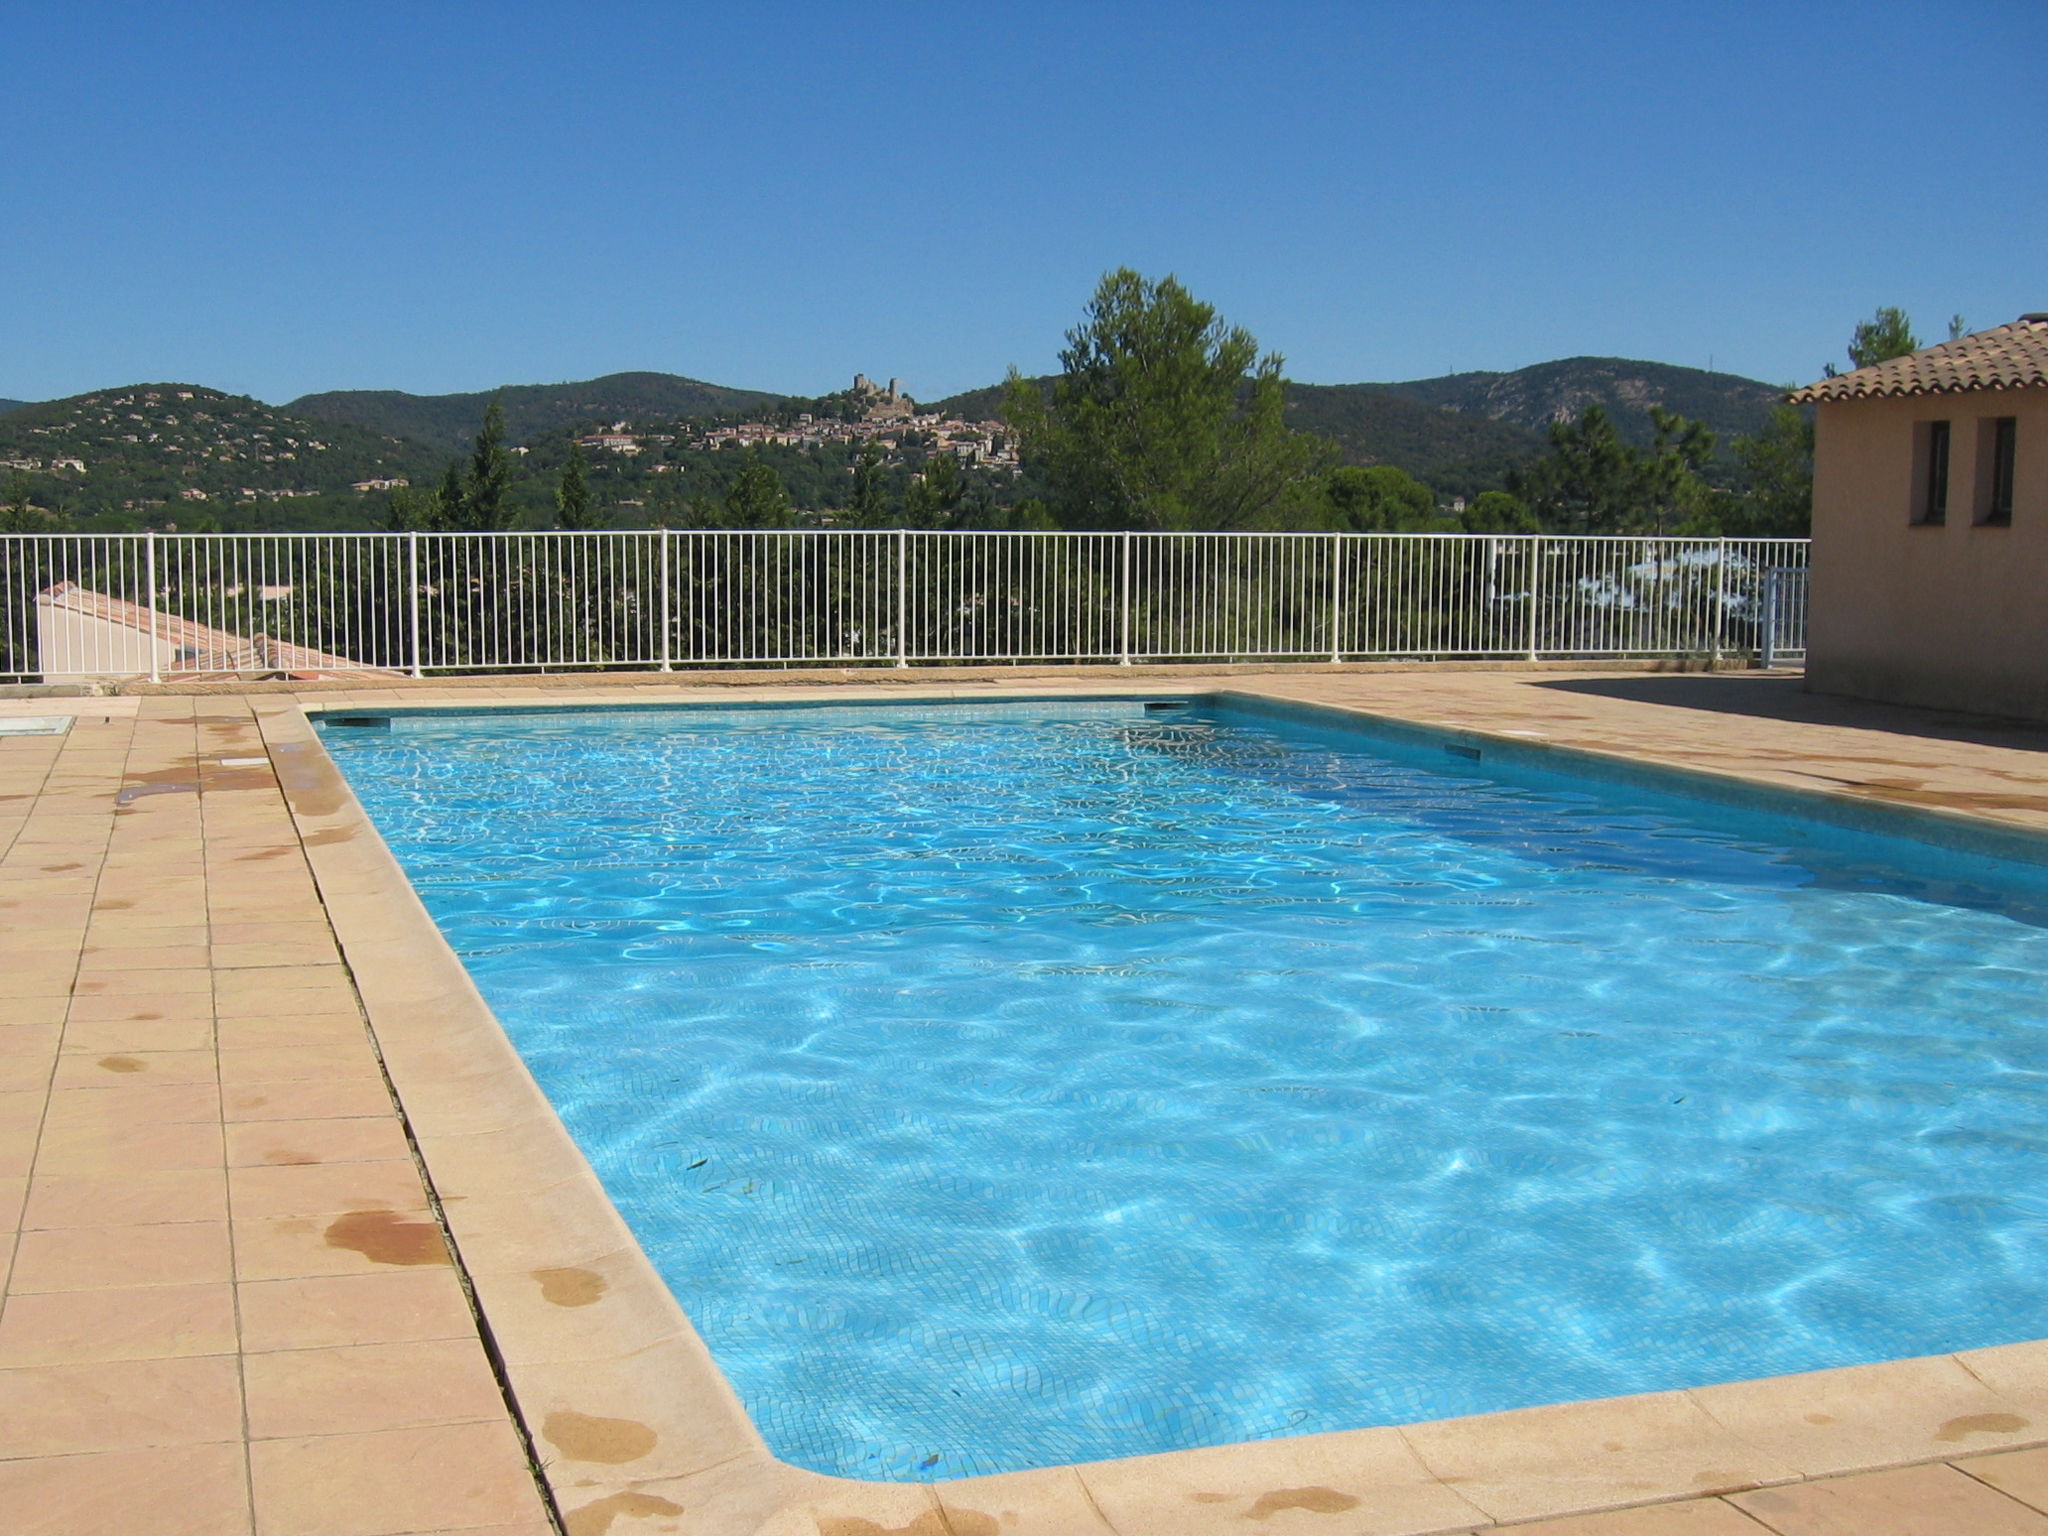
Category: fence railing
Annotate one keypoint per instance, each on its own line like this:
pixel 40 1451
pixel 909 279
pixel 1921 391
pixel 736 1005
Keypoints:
pixel 86 606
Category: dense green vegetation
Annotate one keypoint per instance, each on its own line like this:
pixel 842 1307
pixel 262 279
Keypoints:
pixel 449 422
pixel 11 405
pixel 160 453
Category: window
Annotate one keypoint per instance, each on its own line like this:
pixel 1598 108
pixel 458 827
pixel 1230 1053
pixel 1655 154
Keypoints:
pixel 1996 436
pixel 1930 488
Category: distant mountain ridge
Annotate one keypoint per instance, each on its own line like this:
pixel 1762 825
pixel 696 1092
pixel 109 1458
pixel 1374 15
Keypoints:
pixel 1462 432
pixel 449 422
pixel 1625 388
pixel 12 405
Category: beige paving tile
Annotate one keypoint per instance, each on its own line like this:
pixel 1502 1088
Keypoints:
pixel 94 1147
pixel 442 1477
pixel 120 1405
pixel 1576 1457
pixel 1872 1416
pixel 318 1189
pixel 1691 1517
pixel 126 981
pixel 347 1099
pixel 142 1323
pixel 38 1040
pixel 299 1063
pixel 2021 1474
pixel 386 1307
pixel 361 1387
pixel 101 959
pixel 127 1199
pixel 101 1037
pixel 290 1029
pixel 1048 1503
pixel 141 1008
pixel 354 1242
pixel 1370 1482
pixel 125 1068
pixel 1911 1501
pixel 285 1143
pixel 186 1490
pixel 308 951
pixel 28 1013
pixel 98 1258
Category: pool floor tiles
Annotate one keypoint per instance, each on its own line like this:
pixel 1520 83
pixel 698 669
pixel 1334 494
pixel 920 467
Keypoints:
pixel 228 1306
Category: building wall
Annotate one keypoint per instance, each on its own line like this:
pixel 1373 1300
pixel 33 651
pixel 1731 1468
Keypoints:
pixel 1953 616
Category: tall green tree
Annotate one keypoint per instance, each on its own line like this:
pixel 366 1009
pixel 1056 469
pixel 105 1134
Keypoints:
pixel 1884 336
pixel 410 511
pixel 757 498
pixel 1777 467
pixel 870 490
pixel 1589 482
pixel 1674 493
pixel 1378 499
pixel 1162 417
pixel 1497 512
pixel 450 511
pixel 18 513
pixel 572 494
pixel 486 486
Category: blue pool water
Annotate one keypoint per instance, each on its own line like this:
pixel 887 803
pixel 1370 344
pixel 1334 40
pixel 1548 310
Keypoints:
pixel 1010 1085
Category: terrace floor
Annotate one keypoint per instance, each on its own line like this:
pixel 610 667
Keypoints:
pixel 230 1302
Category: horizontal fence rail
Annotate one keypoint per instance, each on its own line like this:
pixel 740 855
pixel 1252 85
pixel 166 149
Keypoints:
pixel 88 607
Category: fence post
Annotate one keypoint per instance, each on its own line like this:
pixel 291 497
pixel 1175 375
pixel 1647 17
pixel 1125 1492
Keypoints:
pixel 1123 643
pixel 902 597
pixel 1767 652
pixel 412 585
pixel 156 665
pixel 667 620
pixel 1535 591
pixel 1336 598
pixel 1720 600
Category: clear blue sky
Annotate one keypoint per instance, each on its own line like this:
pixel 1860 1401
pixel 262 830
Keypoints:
pixel 276 198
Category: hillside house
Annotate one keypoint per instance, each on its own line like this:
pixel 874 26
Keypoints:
pixel 1930 526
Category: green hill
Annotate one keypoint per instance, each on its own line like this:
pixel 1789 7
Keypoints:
pixel 153 453
pixel 1536 396
pixel 448 422
pixel 11 405
pixel 1461 433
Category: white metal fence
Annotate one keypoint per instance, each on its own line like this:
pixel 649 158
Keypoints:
pixel 80 606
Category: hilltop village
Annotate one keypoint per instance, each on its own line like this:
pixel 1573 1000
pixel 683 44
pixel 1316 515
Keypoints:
pixel 869 413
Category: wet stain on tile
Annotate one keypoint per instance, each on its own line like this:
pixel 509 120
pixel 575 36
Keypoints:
pixel 587 1437
pixel 112 905
pixel 1722 1482
pixel 311 784
pixel 1981 1424
pixel 285 1157
pixel 122 1064
pixel 327 837
pixel 58 869
pixel 1820 1418
pixel 596 1519
pixel 262 853
pixel 571 1287
pixel 1316 1501
pixel 385 1237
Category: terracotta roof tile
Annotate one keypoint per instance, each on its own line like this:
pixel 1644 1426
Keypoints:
pixel 2011 356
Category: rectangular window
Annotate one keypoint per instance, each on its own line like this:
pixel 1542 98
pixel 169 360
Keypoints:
pixel 1996 437
pixel 1930 490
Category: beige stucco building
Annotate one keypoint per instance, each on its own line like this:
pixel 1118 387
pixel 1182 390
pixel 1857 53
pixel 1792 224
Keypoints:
pixel 1930 526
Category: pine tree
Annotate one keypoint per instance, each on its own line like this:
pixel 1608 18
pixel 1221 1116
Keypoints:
pixel 572 497
pixel 450 510
pixel 490 477
pixel 870 495
pixel 757 498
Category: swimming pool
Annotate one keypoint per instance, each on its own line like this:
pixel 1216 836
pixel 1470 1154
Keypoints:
pixel 1003 1086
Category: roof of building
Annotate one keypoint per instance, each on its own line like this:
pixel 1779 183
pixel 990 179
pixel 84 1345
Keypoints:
pixel 200 648
pixel 2011 356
